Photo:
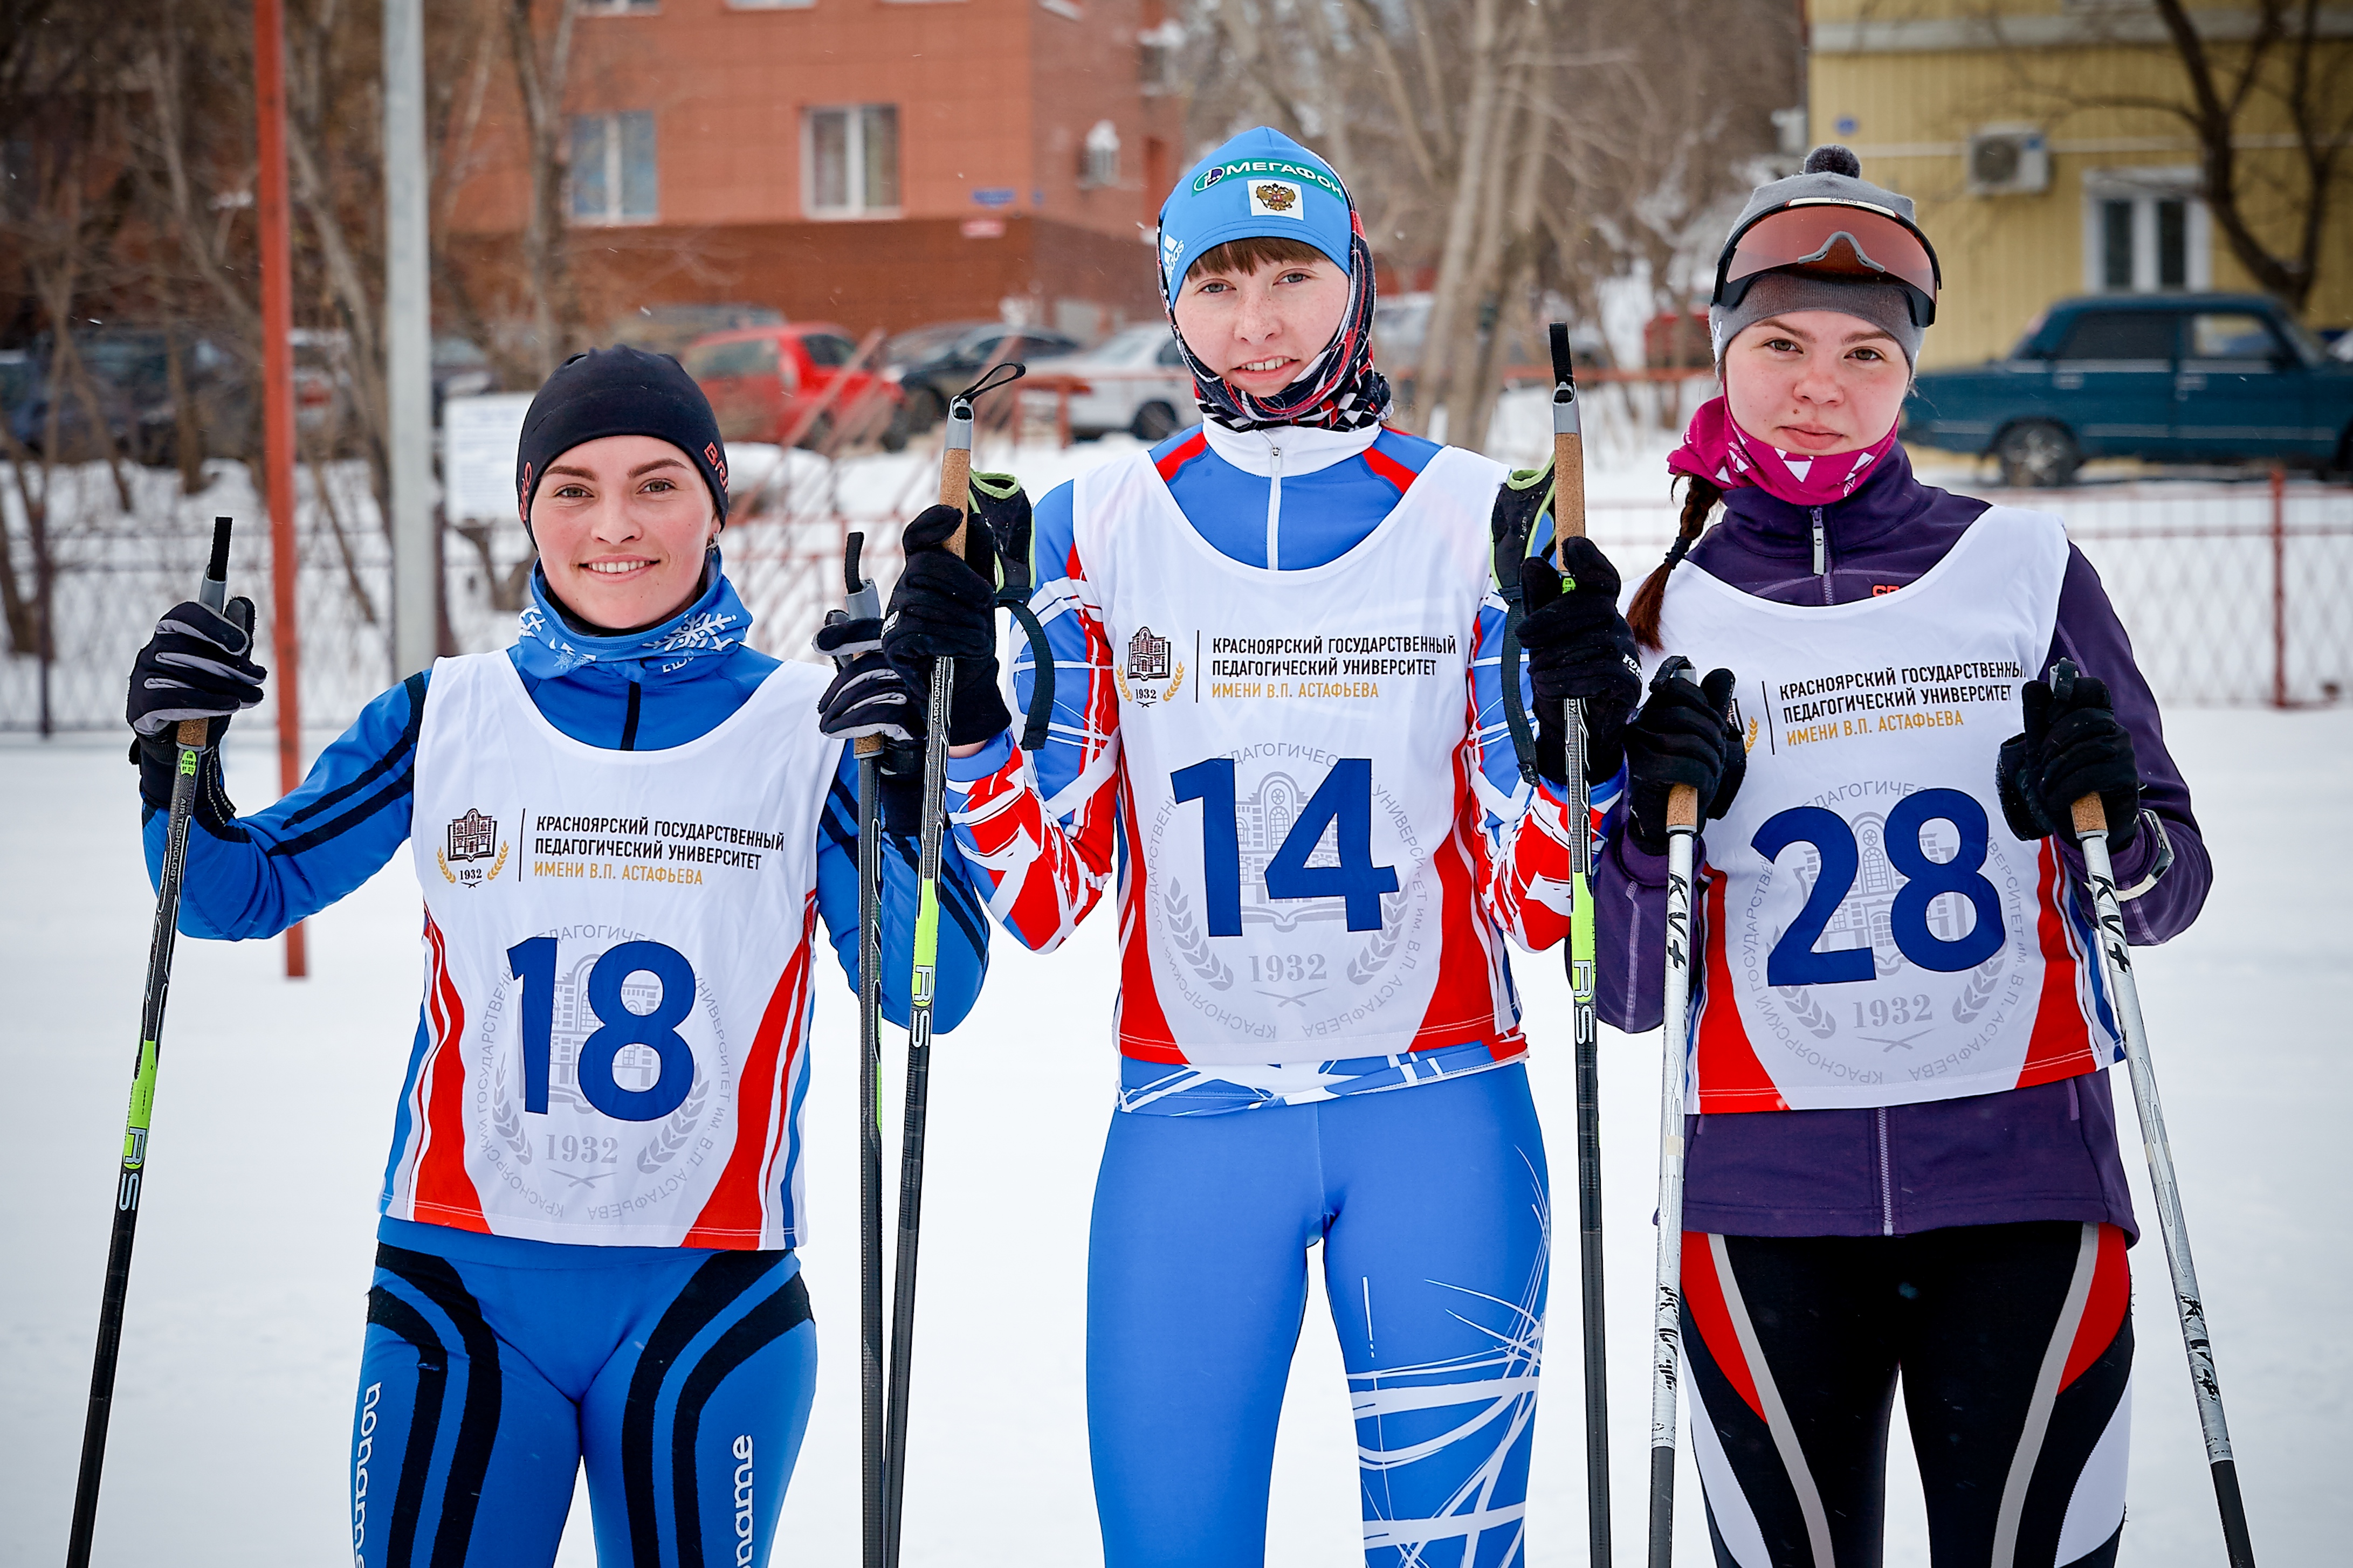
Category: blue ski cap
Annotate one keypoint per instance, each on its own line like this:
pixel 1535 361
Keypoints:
pixel 1259 185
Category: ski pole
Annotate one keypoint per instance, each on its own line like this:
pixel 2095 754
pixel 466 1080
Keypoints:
pixel 1568 522
pixel 956 484
pixel 863 602
pixel 1666 1341
pixel 2091 828
pixel 213 593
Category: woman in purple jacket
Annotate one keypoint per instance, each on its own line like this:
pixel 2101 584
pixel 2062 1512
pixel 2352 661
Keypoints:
pixel 1902 1152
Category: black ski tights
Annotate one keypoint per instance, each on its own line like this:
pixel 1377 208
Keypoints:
pixel 2015 1345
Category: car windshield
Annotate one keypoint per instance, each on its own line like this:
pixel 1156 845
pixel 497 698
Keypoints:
pixel 2308 346
pixel 1132 345
pixel 741 356
pixel 921 344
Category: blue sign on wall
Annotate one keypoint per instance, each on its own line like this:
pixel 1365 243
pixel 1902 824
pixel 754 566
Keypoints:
pixel 993 195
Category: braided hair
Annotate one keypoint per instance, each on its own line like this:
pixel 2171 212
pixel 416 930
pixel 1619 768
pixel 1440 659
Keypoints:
pixel 1642 614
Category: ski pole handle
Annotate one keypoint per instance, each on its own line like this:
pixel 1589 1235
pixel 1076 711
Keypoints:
pixel 1568 444
pixel 1682 809
pixel 2089 816
pixel 212 593
pixel 955 466
pixel 862 600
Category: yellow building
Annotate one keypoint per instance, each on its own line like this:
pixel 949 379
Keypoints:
pixel 2007 121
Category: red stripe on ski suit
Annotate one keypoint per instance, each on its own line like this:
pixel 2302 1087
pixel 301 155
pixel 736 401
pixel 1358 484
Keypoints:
pixel 442 1192
pixel 2104 1309
pixel 1703 1293
pixel 735 1214
pixel 1730 1077
pixel 2060 1045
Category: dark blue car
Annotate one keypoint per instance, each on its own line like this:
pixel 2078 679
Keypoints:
pixel 2179 378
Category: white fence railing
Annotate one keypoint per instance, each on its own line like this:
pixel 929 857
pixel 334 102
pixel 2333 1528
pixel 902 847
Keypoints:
pixel 2234 593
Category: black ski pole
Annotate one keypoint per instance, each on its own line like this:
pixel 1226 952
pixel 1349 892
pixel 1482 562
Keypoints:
pixel 213 593
pixel 1568 522
pixel 1557 751
pixel 864 603
pixel 2091 828
pixel 956 485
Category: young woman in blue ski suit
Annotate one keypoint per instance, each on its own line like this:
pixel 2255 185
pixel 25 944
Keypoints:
pixel 626 826
pixel 1277 741
pixel 1903 1154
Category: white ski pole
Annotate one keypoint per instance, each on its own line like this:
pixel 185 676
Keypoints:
pixel 1666 1339
pixel 2091 828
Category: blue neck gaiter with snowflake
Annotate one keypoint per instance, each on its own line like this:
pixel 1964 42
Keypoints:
pixel 550 645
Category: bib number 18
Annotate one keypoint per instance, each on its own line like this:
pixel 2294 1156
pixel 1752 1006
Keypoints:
pixel 1344 797
pixel 1794 961
pixel 533 964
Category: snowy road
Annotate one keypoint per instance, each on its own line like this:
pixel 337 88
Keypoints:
pixel 275 1104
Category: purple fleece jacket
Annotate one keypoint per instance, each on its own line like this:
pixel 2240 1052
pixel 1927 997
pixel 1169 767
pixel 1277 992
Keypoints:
pixel 2039 1153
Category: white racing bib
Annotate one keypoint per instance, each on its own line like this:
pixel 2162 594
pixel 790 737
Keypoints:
pixel 1870 932
pixel 617 956
pixel 1298 808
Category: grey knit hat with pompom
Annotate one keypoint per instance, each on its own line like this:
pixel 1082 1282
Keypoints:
pixel 1832 174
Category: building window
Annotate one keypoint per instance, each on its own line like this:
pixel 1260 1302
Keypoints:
pixel 1157 69
pixel 850 160
pixel 613 176
pixel 2145 231
pixel 1098 156
pixel 619 7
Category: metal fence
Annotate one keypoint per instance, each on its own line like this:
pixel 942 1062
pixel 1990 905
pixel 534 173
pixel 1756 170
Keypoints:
pixel 2234 593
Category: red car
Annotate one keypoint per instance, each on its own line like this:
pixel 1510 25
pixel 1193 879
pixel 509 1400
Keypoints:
pixel 793 383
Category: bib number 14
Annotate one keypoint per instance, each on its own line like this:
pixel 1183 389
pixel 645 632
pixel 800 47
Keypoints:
pixel 1794 961
pixel 1345 798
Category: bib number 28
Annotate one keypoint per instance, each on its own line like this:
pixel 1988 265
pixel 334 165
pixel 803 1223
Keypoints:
pixel 534 964
pixel 1794 961
pixel 1344 797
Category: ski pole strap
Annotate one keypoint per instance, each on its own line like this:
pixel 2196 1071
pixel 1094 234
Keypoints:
pixel 1511 525
pixel 1039 715
pixel 999 501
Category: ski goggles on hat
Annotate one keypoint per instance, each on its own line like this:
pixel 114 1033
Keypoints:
pixel 1836 240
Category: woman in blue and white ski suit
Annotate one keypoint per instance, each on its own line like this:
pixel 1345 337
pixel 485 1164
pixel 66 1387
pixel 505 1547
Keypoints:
pixel 626 839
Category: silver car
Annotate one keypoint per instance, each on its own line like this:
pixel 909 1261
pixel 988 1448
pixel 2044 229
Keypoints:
pixel 1134 381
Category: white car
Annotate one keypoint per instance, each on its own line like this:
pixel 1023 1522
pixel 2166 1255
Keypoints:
pixel 1134 381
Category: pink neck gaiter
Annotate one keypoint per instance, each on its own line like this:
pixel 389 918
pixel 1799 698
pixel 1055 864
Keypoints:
pixel 1716 449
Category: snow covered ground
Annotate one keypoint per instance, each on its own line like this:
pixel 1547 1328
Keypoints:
pixel 276 1097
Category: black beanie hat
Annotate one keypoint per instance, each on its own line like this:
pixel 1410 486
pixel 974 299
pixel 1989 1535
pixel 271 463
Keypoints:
pixel 619 392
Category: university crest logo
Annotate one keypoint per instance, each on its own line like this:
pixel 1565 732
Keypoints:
pixel 469 840
pixel 1148 664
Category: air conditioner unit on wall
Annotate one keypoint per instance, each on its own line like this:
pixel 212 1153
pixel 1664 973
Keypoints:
pixel 2009 159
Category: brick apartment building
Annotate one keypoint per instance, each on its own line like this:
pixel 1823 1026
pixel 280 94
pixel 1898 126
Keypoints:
pixel 875 163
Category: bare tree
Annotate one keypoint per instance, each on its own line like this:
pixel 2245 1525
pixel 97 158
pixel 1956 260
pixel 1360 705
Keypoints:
pixel 1507 152
pixel 540 67
pixel 2286 69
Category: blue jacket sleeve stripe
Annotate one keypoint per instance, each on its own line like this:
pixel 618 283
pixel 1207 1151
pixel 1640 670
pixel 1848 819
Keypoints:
pixel 404 746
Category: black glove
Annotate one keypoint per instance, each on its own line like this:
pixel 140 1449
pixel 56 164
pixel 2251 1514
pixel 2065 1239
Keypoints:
pixel 870 698
pixel 1578 646
pixel 1683 735
pixel 198 665
pixel 2073 745
pixel 944 607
